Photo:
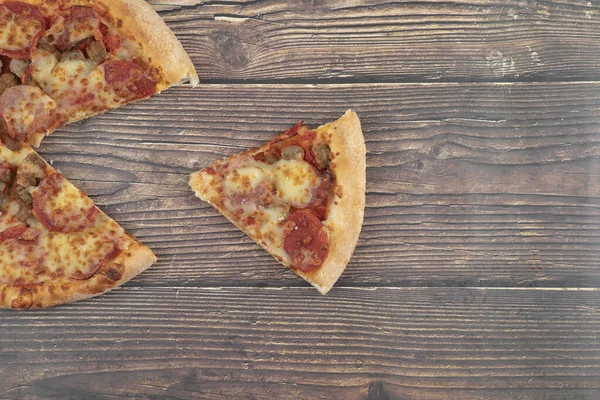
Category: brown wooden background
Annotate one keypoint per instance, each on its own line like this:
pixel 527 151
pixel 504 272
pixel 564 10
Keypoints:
pixel 477 273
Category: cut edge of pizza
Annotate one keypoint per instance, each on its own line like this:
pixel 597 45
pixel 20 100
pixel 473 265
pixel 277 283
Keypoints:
pixel 56 245
pixel 300 196
pixel 79 58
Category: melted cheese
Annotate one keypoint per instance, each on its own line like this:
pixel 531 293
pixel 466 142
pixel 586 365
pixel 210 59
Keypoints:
pixel 77 86
pixel 269 231
pixel 68 200
pixel 128 49
pixel 21 261
pixel 294 181
pixel 246 179
pixel 74 254
pixel 14 158
pixel 27 105
pixel 16 33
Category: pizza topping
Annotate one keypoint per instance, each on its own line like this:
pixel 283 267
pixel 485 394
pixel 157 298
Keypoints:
pixel 110 40
pixel 72 55
pixel 292 153
pixel 26 111
pixel 5 178
pixel 21 250
pixel 320 194
pixel 14 232
pixel 128 80
pixel 7 81
pixel 297 143
pixel 19 67
pixel 262 195
pixel 288 133
pixel 44 44
pixel 7 141
pixel 294 182
pixel 21 26
pixel 96 254
pixel 320 197
pixel 96 51
pixel 72 27
pixel 321 153
pixel 306 241
pixel 28 176
pixel 60 207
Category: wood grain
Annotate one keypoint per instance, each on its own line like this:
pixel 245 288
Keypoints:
pixel 467 184
pixel 257 343
pixel 387 41
pixel 492 185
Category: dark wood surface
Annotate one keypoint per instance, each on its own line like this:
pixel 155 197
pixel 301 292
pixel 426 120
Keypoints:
pixel 477 272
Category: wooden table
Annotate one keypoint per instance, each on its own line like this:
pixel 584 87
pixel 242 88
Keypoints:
pixel 477 272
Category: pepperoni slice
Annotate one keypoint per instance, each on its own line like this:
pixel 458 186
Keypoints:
pixel 26 110
pixel 111 42
pixel 320 195
pixel 306 241
pixel 14 232
pixel 128 80
pixel 5 64
pixel 21 26
pixel 60 208
pixel 74 26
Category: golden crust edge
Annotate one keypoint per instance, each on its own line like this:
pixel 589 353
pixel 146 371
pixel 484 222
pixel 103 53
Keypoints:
pixel 141 259
pixel 344 220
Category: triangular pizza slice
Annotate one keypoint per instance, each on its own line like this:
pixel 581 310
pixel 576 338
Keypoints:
pixel 56 246
pixel 301 196
pixel 66 60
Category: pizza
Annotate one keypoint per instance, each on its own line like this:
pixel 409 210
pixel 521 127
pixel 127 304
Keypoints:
pixel 62 61
pixel 56 246
pixel 66 60
pixel 301 196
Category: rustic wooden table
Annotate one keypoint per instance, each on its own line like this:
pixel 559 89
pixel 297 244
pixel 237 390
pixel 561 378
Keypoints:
pixel 477 272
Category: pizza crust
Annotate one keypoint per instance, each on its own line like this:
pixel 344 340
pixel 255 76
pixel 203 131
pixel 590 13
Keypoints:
pixel 344 219
pixel 128 264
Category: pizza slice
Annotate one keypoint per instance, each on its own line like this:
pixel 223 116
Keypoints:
pixel 301 196
pixel 56 246
pixel 66 60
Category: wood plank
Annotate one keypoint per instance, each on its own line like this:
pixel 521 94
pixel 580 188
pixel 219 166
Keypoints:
pixel 381 41
pixel 468 184
pixel 264 343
